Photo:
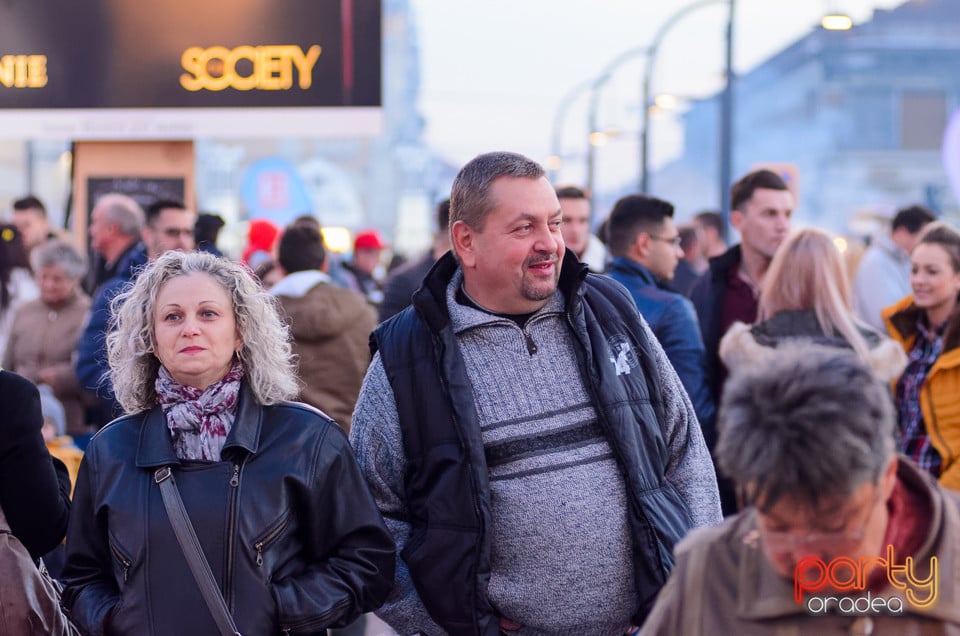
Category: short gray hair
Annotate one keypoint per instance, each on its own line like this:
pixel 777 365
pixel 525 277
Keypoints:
pixel 812 423
pixel 266 353
pixel 123 211
pixel 60 253
pixel 470 195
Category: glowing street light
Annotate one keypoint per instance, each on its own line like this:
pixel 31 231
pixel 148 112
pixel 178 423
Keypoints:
pixel 836 22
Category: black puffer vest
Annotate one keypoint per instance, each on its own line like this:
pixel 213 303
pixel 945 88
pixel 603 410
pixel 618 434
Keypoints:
pixel 447 492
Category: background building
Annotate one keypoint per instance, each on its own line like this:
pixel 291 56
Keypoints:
pixel 861 113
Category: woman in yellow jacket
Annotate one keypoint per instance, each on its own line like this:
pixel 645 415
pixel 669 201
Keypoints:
pixel 927 324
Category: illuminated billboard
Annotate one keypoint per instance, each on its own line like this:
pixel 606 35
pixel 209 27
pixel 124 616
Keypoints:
pixel 122 69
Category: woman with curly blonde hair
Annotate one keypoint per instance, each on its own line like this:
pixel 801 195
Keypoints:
pixel 201 363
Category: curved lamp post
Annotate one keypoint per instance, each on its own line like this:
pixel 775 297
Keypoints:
pixel 556 143
pixel 648 74
pixel 596 84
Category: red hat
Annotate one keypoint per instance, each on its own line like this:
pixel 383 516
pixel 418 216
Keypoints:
pixel 368 240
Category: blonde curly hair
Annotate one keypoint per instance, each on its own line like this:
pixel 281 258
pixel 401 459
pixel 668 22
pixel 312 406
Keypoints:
pixel 266 354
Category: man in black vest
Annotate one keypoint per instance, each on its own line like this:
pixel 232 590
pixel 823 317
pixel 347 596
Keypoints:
pixel 525 437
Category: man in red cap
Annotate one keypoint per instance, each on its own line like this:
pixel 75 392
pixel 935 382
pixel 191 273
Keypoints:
pixel 364 269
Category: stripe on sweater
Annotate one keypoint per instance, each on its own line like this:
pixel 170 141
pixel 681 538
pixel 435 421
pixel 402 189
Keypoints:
pixel 492 426
pixel 551 468
pixel 536 444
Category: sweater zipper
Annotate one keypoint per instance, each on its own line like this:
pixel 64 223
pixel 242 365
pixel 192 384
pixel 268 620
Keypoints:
pixel 531 345
pixel 231 532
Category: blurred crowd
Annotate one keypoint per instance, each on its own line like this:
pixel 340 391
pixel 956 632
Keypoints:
pixel 643 380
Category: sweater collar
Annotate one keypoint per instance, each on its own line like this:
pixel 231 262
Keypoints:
pixel 430 301
pixel 463 317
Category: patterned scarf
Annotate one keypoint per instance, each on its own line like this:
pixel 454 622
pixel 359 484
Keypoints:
pixel 199 420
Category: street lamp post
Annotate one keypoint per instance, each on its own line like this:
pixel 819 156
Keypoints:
pixel 592 117
pixel 559 116
pixel 648 74
pixel 726 128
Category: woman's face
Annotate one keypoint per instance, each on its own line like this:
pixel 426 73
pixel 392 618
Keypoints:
pixel 195 330
pixel 55 285
pixel 935 283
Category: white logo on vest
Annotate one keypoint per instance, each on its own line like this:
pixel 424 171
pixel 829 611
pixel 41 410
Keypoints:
pixel 623 356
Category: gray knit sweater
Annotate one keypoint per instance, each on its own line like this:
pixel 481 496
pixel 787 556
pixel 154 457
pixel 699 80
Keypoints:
pixel 560 543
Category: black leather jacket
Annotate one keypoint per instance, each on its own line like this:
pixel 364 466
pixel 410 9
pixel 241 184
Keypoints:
pixel 286 522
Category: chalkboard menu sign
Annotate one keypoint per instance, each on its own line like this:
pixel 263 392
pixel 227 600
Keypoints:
pixel 145 190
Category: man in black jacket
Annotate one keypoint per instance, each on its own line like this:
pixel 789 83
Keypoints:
pixel 761 205
pixel 400 285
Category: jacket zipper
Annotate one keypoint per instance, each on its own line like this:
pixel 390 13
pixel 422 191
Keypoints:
pixel 267 540
pixel 231 532
pixel 123 560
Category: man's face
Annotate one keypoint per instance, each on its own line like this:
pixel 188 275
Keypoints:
pixel 513 264
pixel 33 226
pixel 662 251
pixel 367 260
pixel 101 230
pixel 172 230
pixel 764 220
pixel 902 238
pixel 576 224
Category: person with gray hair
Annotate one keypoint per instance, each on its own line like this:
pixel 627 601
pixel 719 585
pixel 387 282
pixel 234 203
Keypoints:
pixel 202 365
pixel 115 228
pixel 46 330
pixel 116 222
pixel 526 438
pixel 838 534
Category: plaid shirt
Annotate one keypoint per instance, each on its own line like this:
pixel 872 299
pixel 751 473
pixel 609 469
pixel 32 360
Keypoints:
pixel 914 440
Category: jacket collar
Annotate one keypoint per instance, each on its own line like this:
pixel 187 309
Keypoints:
pixel 156 447
pixel 903 316
pixel 720 266
pixel 633 268
pixel 764 594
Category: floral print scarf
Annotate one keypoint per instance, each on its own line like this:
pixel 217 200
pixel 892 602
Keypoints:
pixel 199 420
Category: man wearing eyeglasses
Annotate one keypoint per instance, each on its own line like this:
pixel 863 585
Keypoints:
pixel 169 227
pixel 838 534
pixel 645 246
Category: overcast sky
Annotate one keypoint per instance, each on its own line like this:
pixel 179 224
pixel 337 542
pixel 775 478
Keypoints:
pixel 494 72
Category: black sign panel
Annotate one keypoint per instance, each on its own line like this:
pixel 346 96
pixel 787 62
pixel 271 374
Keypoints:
pixel 189 53
pixel 145 190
